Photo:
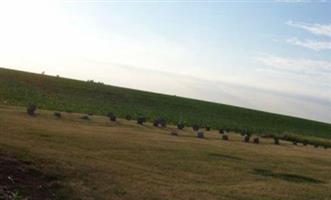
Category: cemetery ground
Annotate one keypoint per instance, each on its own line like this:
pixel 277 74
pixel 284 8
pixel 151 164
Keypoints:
pixel 72 158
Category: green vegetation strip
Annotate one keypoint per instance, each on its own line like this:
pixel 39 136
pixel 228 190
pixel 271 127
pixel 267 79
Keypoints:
pixel 61 94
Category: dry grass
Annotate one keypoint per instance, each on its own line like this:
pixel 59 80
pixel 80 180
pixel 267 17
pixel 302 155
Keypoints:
pixel 100 159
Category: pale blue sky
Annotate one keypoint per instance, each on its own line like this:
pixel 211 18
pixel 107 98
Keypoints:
pixel 268 55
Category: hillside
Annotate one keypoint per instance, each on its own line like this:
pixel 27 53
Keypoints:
pixel 55 93
pixel 72 158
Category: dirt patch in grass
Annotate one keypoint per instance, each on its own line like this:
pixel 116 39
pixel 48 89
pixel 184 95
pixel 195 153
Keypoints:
pixel 287 177
pixel 224 156
pixel 23 180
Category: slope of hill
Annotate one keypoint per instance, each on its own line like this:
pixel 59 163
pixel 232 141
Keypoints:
pixel 101 159
pixel 55 93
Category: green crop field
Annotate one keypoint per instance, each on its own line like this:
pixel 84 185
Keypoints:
pixel 55 93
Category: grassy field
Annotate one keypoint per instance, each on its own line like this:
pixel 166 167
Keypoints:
pixel 100 159
pixel 54 93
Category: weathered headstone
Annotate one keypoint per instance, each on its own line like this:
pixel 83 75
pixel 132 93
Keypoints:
pixel 200 134
pixel 141 120
pixel 111 116
pixel 195 127
pixel 180 125
pixel 225 137
pixel 222 131
pixel 57 114
pixel 31 109
pixel 85 117
pixel 276 140
pixel 174 133
pixel 256 140
pixel 160 122
pixel 247 138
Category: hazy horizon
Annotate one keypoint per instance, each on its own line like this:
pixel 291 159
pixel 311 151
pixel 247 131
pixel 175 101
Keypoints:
pixel 272 56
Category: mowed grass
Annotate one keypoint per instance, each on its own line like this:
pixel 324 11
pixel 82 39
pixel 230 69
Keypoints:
pixel 55 93
pixel 99 159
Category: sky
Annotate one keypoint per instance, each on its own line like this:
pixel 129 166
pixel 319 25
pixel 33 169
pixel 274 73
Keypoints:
pixel 273 56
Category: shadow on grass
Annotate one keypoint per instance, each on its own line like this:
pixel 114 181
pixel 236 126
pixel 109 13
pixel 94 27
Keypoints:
pixel 21 179
pixel 287 177
pixel 224 156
